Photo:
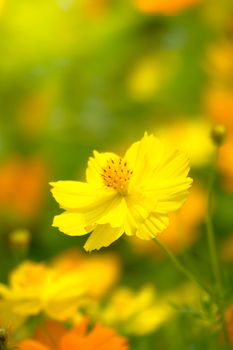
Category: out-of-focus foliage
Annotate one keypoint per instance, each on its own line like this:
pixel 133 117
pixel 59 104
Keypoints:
pixel 78 75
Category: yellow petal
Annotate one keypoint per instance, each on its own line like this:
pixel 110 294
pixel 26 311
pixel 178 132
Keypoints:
pixel 81 221
pixel 73 194
pixel 154 224
pixel 71 223
pixel 99 208
pixel 136 215
pixel 139 207
pixel 170 193
pixel 103 236
pixel 141 160
pixel 116 213
pixel 172 164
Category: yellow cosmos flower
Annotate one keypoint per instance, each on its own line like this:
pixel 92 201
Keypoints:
pixel 58 289
pixel 132 194
pixel 35 287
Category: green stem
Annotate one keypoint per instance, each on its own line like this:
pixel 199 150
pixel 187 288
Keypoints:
pixel 213 253
pixel 215 261
pixel 181 267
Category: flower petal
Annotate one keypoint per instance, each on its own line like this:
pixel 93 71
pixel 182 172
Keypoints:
pixel 116 214
pixel 73 194
pixel 101 210
pixel 103 236
pixel 154 224
pixel 32 345
pixel 173 164
pixel 71 223
pixel 139 207
pixel 140 160
pixel 170 193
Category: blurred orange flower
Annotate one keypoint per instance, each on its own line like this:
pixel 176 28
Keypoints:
pixel 21 186
pixel 225 164
pixel 167 7
pixel 57 337
pixel 219 106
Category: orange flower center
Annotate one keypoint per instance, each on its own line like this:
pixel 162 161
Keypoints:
pixel 116 174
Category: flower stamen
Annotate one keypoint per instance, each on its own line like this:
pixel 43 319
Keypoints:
pixel 116 174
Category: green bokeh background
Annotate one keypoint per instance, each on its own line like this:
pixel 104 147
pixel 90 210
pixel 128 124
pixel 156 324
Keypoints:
pixel 70 82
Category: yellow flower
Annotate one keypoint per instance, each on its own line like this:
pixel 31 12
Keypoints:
pixel 102 271
pixel 144 311
pixel 35 287
pixel 132 194
pixel 9 318
pixel 58 289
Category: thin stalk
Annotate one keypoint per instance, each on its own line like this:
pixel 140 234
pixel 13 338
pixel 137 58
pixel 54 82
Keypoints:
pixel 181 267
pixel 215 260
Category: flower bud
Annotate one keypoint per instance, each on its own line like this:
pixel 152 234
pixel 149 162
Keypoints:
pixel 218 134
pixel 20 238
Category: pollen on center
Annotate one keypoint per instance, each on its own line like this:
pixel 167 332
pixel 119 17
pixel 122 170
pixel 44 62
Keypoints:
pixel 116 174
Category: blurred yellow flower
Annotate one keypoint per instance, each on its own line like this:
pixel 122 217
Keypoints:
pixel 34 288
pixel 102 270
pixel 1 4
pixel 131 194
pixel 9 318
pixel 58 289
pixel 148 75
pixel 143 312
pixel 184 133
pixel 135 312
pixel 167 7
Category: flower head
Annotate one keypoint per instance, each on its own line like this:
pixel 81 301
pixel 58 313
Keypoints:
pixel 57 289
pixel 35 287
pixel 132 194
pixel 57 337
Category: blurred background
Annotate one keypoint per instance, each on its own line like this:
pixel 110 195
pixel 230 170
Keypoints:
pixel 78 75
